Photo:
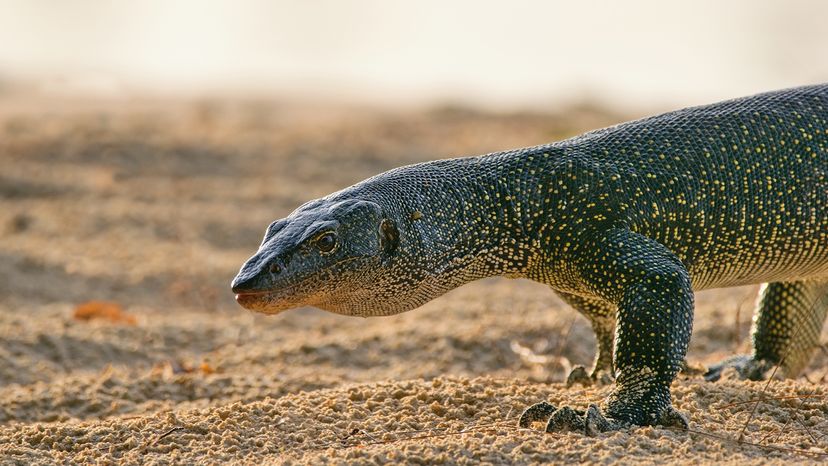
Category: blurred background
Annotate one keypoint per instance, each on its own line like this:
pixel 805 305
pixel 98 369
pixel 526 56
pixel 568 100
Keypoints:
pixel 145 146
pixel 516 54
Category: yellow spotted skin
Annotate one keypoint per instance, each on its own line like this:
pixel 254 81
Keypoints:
pixel 623 222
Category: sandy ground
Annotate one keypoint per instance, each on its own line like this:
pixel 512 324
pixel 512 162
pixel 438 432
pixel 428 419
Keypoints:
pixel 154 206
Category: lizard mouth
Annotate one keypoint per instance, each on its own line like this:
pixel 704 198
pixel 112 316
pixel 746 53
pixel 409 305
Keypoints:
pixel 243 294
pixel 268 302
pixel 247 298
pixel 250 300
pixel 272 301
pixel 289 296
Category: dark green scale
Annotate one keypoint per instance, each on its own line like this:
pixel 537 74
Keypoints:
pixel 624 223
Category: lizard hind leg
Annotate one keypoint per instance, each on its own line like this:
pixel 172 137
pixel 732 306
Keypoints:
pixel 786 328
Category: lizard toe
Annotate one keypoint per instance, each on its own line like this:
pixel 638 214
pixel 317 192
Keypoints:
pixel 595 422
pixel 538 412
pixel 566 419
pixel 673 419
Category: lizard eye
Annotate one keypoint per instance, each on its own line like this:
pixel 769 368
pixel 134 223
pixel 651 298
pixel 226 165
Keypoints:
pixel 326 242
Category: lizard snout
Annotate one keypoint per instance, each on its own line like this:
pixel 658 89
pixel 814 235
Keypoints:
pixel 249 278
pixel 243 284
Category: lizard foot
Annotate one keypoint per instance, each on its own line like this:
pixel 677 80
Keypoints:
pixel 579 375
pixel 590 422
pixel 745 367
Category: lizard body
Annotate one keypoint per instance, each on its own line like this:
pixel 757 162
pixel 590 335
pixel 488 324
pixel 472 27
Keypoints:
pixel 623 222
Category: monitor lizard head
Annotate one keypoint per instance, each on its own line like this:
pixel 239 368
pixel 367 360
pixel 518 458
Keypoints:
pixel 388 244
pixel 330 253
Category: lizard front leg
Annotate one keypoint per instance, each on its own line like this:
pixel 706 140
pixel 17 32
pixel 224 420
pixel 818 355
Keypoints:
pixel 651 289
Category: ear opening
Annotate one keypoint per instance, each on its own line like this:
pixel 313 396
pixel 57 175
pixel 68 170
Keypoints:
pixel 389 236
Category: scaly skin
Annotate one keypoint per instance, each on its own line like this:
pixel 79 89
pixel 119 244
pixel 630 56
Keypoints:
pixel 624 222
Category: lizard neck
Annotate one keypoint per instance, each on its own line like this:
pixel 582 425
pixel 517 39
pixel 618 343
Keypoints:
pixel 459 220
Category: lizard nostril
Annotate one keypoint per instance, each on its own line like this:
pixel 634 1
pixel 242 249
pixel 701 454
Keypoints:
pixel 275 268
